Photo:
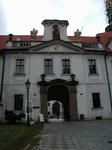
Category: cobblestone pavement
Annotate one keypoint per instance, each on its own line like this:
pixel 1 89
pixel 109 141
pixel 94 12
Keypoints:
pixel 87 135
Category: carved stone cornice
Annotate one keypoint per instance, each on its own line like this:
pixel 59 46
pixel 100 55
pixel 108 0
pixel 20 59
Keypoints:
pixel 57 81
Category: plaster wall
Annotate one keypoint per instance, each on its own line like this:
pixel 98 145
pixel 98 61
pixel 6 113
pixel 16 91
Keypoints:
pixel 34 67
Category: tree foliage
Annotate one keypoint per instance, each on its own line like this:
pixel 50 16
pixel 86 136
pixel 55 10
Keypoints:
pixel 11 117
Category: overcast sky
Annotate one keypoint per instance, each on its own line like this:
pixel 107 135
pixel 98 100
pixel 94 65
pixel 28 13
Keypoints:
pixel 21 16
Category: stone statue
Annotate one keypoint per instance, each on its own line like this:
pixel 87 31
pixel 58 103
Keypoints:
pixel 77 34
pixel 33 34
pixel 10 36
pixel 56 34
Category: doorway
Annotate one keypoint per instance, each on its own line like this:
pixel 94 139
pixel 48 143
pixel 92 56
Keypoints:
pixel 61 91
pixel 60 94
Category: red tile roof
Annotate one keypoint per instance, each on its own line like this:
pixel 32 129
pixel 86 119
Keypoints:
pixel 103 38
pixel 4 38
pixel 84 38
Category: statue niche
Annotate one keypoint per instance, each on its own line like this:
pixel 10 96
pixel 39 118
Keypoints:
pixel 55 33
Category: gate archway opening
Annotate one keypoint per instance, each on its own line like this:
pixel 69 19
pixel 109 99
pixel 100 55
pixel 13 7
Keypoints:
pixel 60 93
pixel 61 90
pixel 55 110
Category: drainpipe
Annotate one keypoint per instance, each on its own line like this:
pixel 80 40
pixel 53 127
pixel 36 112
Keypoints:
pixel 2 78
pixel 108 80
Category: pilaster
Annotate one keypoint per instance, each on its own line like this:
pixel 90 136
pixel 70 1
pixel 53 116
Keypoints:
pixel 43 102
pixel 73 103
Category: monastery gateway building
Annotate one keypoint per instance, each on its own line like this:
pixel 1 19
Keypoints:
pixel 75 71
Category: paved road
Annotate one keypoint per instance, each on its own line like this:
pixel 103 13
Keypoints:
pixel 87 135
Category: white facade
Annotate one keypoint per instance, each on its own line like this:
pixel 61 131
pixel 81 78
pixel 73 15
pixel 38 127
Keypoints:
pixel 57 50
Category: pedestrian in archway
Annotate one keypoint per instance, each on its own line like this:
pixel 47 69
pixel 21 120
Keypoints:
pixel 58 113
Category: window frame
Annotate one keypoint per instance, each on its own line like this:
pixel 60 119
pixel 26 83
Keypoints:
pixel 96 100
pixel 20 66
pixel 92 66
pixel 48 66
pixel 66 66
pixel 18 97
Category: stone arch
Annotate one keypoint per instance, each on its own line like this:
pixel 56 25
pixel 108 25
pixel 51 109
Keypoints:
pixel 70 86
pixel 60 93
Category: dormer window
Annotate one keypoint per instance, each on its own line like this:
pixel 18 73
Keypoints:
pixel 55 33
pixel 25 44
pixel 90 45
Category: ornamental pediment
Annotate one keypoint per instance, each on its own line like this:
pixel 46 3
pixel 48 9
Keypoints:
pixel 56 46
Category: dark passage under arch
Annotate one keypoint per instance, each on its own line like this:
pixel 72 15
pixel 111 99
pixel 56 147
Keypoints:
pixel 60 93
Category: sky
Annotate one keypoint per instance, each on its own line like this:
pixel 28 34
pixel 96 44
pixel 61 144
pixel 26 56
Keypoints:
pixel 19 17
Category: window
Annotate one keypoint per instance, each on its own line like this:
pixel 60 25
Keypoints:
pixel 18 102
pixel 92 66
pixel 23 44
pixel 96 100
pixel 66 66
pixel 48 66
pixel 19 66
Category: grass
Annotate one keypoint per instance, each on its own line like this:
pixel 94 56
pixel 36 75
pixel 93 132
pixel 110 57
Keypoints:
pixel 19 137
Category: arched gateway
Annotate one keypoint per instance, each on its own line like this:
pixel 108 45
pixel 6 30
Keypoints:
pixel 61 90
pixel 60 93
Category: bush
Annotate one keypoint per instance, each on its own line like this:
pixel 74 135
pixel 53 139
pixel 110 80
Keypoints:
pixel 12 117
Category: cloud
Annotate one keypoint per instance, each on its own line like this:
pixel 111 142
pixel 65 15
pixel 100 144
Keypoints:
pixel 24 15
pixel 89 14
pixel 3 26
